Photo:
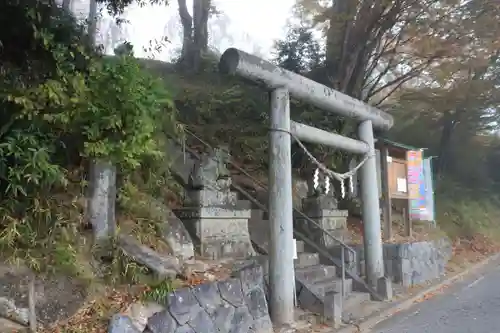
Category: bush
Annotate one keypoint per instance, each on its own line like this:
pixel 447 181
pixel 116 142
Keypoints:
pixel 125 105
pixel 464 213
pixel 62 104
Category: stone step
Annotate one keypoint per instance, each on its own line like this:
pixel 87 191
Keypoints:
pixel 312 274
pixel 332 284
pixel 354 299
pixel 300 246
pixel 352 306
pixel 306 259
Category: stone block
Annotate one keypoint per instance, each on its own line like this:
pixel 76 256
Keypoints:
pixel 256 303
pixel 208 296
pixel 140 312
pixel 162 322
pixel 416 263
pixel 406 280
pixel 388 265
pixel 222 228
pixel 202 323
pixel 220 248
pixel 102 200
pixel 332 310
pixel 184 329
pixel 362 267
pixel 262 325
pixel 218 307
pixel 209 197
pixel 172 229
pixel 242 321
pixel 307 299
pixel 237 248
pixel 320 206
pixel 321 211
pixel 8 309
pixel 384 288
pixel 230 291
pixel 223 317
pixel 221 232
pixel 121 324
pixel 183 305
pixel 391 251
pixel 162 265
pixel 251 278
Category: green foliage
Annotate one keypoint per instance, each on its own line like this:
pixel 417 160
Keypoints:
pixel 125 106
pixel 299 51
pixel 40 94
pixel 116 7
pixel 464 212
pixel 158 292
pixel 62 104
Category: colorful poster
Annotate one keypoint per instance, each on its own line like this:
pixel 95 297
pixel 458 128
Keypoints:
pixel 429 190
pixel 416 184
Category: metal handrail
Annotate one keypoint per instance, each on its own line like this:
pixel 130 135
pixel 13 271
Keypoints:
pixel 264 187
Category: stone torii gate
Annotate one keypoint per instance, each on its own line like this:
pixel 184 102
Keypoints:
pixel 281 83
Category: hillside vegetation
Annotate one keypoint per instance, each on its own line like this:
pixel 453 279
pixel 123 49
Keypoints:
pixel 64 104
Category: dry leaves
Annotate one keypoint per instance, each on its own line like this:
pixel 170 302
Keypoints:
pixel 94 316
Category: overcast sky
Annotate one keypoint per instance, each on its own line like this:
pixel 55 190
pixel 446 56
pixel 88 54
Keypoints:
pixel 249 25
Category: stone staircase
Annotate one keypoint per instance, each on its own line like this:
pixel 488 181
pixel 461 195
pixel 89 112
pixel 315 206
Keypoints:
pixel 318 286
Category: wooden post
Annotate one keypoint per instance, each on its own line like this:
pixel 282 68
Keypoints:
pixel 386 195
pixel 407 220
pixel 31 304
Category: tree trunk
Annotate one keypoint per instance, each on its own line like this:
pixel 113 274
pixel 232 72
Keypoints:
pixel 201 9
pixel 187 30
pixel 92 21
pixel 66 5
pixel 195 33
pixel 449 122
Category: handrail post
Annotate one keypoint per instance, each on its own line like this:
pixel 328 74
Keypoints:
pixel 281 270
pixel 342 258
pixel 374 260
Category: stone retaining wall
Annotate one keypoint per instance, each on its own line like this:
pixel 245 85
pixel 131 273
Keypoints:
pixel 408 263
pixel 236 305
pixel 416 263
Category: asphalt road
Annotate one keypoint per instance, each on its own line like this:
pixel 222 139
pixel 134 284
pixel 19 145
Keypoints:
pixel 469 306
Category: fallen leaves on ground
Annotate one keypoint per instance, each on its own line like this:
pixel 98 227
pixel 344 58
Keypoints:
pixel 431 294
pixel 94 316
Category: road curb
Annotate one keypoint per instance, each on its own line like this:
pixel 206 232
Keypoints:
pixel 367 324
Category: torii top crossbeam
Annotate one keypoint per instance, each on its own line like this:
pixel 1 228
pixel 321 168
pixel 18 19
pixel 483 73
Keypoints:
pixel 262 72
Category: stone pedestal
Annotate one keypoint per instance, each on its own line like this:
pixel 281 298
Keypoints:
pixel 323 210
pixel 219 223
pixel 101 200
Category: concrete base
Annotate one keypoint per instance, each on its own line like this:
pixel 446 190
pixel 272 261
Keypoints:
pixel 332 311
pixel 384 288
pixel 323 211
pixel 219 231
